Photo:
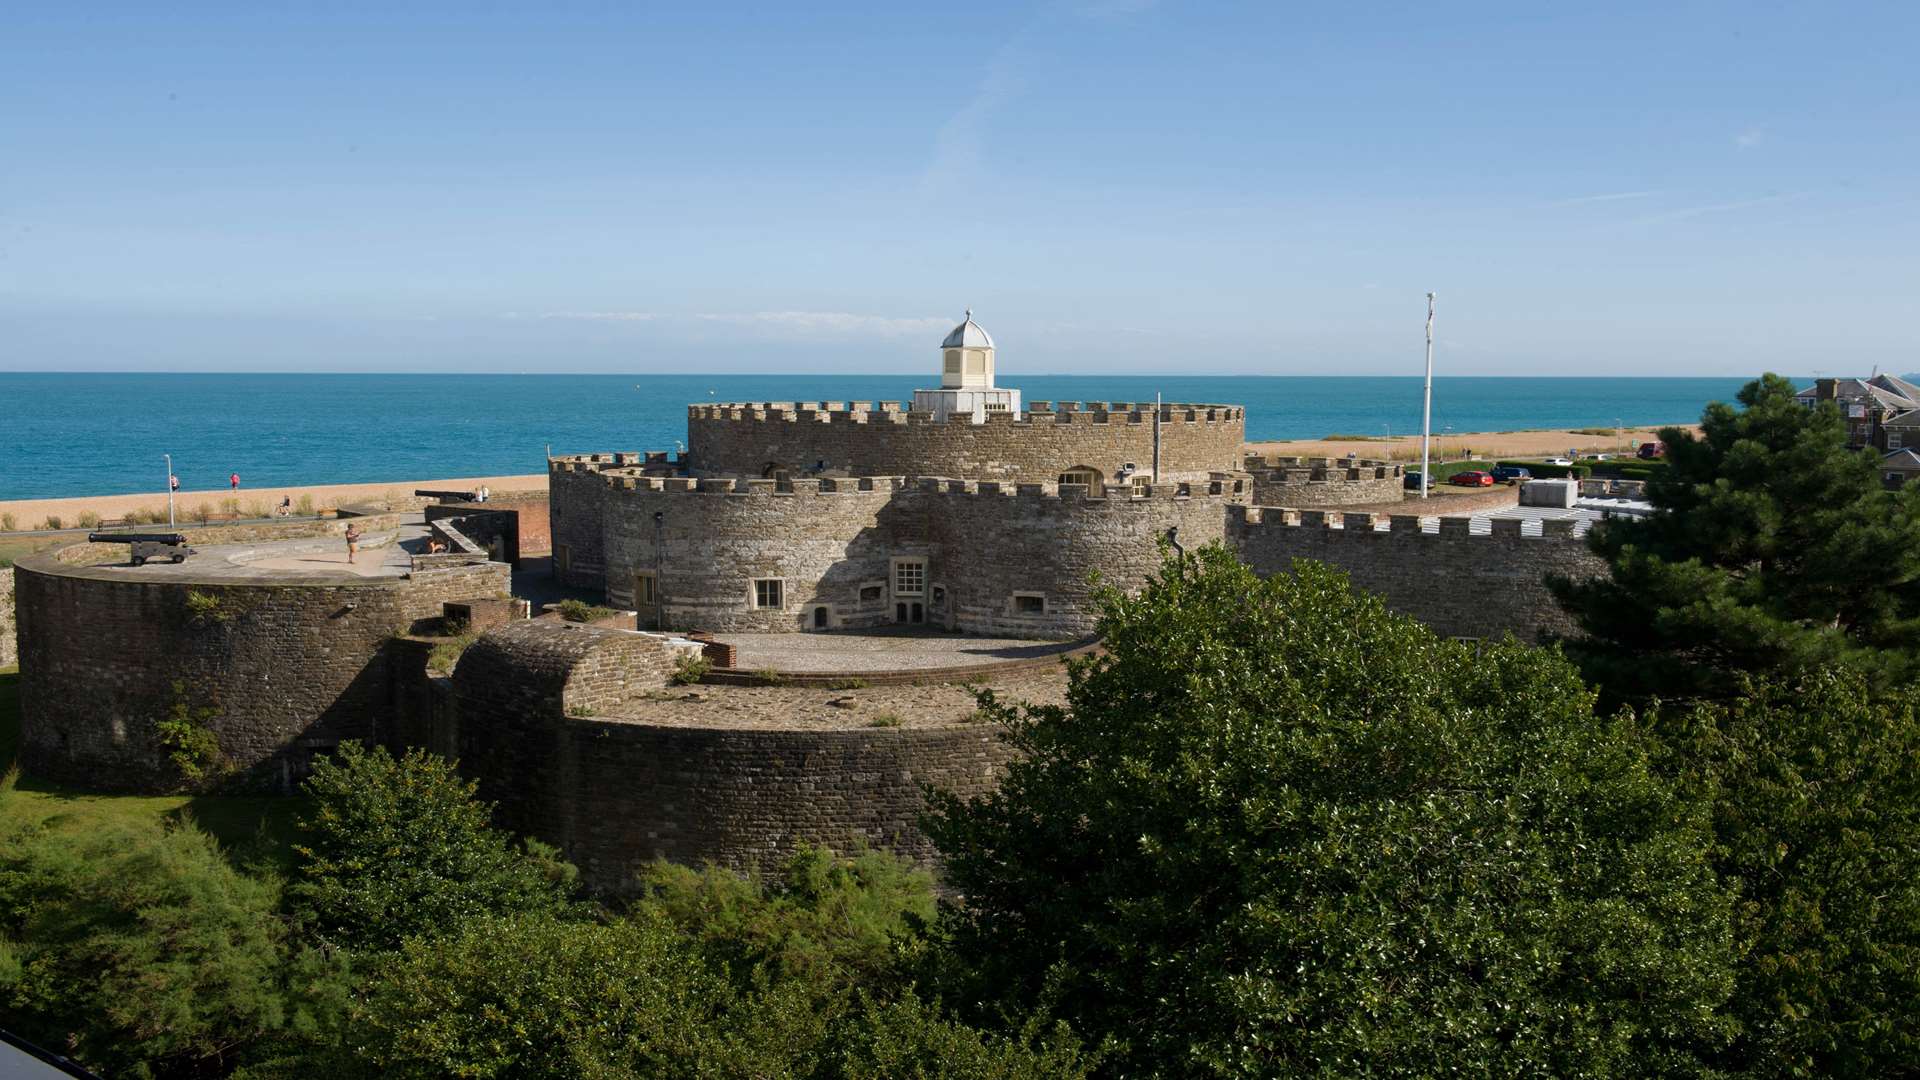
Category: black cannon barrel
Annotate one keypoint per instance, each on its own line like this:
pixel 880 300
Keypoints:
pixel 136 538
pixel 454 496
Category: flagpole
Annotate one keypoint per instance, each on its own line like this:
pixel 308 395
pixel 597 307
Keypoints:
pixel 1426 416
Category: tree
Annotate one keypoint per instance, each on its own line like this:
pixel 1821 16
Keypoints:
pixel 135 948
pixel 1279 830
pixel 1772 548
pixel 400 847
pixel 1816 788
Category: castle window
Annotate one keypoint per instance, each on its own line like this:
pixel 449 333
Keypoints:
pixel 643 589
pixel 1893 440
pixel 870 594
pixel 1082 474
pixel 1029 603
pixel 909 577
pixel 939 596
pixel 769 593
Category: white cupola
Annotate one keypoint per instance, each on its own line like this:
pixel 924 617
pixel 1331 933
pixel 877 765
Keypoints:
pixel 966 377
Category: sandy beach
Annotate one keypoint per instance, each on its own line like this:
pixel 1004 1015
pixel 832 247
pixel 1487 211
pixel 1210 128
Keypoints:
pixel 32 513
pixel 1480 444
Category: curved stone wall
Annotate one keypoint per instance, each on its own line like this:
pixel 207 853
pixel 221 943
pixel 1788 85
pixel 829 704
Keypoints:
pixel 832 545
pixel 276 671
pixel 616 794
pixel 1034 447
pixel 1459 583
pixel 1324 482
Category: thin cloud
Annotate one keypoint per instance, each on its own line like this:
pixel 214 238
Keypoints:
pixel 587 316
pixel 1716 208
pixel 1612 196
pixel 1750 138
pixel 834 323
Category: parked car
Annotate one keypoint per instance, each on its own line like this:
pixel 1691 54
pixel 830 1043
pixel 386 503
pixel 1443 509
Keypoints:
pixel 1598 457
pixel 1471 478
pixel 1412 482
pixel 1510 474
pixel 1651 450
pixel 1561 461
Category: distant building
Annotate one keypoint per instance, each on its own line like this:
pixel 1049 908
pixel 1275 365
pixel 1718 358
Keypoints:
pixel 1882 412
pixel 1899 467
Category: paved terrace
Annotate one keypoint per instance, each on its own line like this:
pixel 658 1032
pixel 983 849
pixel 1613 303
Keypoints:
pixel 883 649
pixel 383 554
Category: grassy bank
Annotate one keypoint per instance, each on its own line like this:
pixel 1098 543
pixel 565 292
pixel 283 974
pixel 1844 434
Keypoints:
pixel 250 827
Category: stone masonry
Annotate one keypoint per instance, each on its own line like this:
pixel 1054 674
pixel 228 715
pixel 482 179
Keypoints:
pixel 1322 482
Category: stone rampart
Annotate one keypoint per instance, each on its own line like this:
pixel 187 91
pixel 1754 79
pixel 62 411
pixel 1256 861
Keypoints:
pixel 761 438
pixel 277 671
pixel 998 558
pixel 9 642
pixel 1458 583
pixel 1323 482
pixel 615 794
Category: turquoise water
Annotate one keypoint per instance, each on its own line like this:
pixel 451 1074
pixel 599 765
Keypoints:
pixel 96 434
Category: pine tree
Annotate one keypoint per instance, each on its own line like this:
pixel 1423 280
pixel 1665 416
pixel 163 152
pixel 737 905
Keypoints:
pixel 1773 549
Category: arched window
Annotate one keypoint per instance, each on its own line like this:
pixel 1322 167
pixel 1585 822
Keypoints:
pixel 1083 474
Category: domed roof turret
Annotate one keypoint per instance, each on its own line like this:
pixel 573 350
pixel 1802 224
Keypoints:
pixel 968 335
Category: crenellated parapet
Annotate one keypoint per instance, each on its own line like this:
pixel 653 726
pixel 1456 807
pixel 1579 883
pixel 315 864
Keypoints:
pixel 894 412
pixel 1324 481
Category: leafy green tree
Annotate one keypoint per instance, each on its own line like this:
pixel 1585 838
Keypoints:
pixel 832 920
pixel 400 847
pixel 136 949
pixel 910 1039
pixel 1280 830
pixel 1773 548
pixel 1816 787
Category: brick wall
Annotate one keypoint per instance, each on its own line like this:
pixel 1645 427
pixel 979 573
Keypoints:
pixel 614 794
pixel 1459 584
pixel 1035 446
pixel 288 669
pixel 577 502
pixel 1319 482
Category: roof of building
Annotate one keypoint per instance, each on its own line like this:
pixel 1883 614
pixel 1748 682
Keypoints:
pixel 1886 391
pixel 1904 460
pixel 968 335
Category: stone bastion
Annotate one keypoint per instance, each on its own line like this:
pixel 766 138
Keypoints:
pixel 277 666
pixel 1324 482
pixel 1050 438
pixel 537 722
pixel 1012 559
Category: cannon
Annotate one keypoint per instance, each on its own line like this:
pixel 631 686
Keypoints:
pixel 448 496
pixel 146 546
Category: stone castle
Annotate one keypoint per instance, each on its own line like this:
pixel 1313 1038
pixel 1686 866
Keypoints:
pixel 965 511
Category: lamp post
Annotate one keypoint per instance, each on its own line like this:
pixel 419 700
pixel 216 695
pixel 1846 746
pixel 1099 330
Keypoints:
pixel 169 458
pixel 1426 414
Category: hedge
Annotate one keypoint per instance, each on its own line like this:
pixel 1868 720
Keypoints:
pixel 1540 470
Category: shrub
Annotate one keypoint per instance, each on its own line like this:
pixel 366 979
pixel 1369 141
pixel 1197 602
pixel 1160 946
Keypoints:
pixel 137 949
pixel 87 520
pixel 442 658
pixel 396 848
pixel 204 608
pixel 230 505
pixel 1540 470
pixel 885 719
pixel 6 523
pixel 691 669
pixel 202 513
pixel 53 522
pixel 1279 830
pixel 769 677
pixel 305 506
pixel 191 744
pixel 580 611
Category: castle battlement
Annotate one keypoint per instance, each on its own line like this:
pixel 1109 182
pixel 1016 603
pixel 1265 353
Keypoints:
pixel 1037 412
pixel 629 479
pixel 1279 517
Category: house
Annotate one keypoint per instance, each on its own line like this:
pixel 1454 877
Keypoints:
pixel 1899 467
pixel 1882 411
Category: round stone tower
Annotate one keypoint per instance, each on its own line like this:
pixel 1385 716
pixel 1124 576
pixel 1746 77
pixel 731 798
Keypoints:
pixel 966 378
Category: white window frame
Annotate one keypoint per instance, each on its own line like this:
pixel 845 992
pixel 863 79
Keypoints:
pixel 908 562
pixel 1893 439
pixel 779 589
pixel 1013 603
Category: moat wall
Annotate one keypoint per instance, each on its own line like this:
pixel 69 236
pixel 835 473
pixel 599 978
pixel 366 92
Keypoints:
pixel 1459 584
pixel 9 641
pixel 1035 446
pixel 615 794
pixel 277 672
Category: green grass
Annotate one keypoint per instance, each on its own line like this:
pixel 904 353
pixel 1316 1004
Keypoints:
pixel 249 827
pixel 15 548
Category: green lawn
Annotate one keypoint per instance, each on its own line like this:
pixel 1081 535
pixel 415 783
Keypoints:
pixel 250 827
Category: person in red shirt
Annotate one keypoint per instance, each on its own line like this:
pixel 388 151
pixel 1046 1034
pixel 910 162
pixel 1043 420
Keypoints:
pixel 234 481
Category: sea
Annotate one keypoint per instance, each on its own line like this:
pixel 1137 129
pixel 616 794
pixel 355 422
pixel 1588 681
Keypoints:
pixel 72 434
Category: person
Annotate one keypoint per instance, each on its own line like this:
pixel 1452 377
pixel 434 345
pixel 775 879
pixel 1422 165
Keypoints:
pixel 435 545
pixel 481 495
pixel 353 541
pixel 233 481
pixel 286 507
pixel 173 482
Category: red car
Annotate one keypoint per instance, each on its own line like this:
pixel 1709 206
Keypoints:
pixel 1471 478
pixel 1651 450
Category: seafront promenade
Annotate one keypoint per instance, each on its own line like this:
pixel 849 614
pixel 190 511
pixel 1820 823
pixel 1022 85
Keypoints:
pixel 29 514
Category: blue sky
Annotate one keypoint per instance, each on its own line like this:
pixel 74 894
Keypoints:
pixel 1649 189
